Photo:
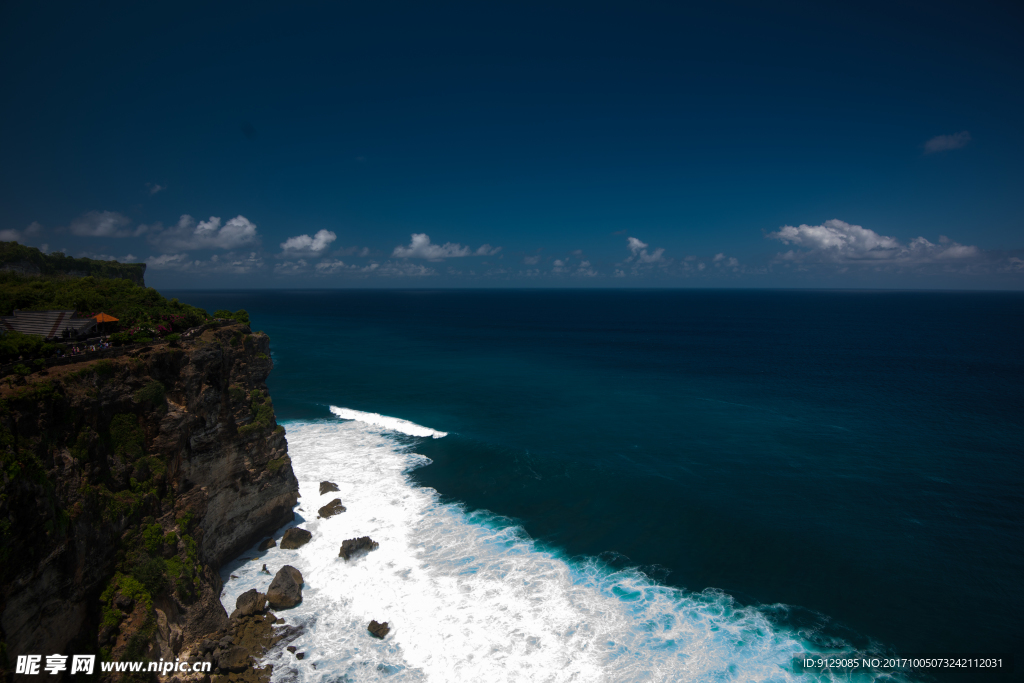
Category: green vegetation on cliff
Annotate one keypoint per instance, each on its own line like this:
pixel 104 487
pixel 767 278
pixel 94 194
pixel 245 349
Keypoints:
pixel 142 312
pixel 132 304
pixel 28 260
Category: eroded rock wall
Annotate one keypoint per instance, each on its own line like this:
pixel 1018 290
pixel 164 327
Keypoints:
pixel 126 483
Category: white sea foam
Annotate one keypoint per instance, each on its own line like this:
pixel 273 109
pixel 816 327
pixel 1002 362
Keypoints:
pixel 471 599
pixel 390 423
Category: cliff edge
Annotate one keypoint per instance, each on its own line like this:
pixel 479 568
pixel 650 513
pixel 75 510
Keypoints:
pixel 126 483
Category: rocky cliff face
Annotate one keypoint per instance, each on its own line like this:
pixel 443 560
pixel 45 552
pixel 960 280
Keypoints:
pixel 125 484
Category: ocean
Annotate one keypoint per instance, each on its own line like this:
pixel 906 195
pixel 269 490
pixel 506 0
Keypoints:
pixel 648 485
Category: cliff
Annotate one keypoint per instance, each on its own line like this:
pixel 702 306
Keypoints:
pixel 30 261
pixel 126 483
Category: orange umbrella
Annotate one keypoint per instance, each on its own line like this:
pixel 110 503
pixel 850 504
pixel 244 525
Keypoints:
pixel 104 318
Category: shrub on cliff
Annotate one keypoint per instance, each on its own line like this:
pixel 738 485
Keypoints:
pixel 241 315
pixel 14 345
pixel 153 393
pixel 126 436
pixel 262 410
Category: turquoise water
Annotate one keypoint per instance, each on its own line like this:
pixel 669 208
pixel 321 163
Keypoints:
pixel 847 464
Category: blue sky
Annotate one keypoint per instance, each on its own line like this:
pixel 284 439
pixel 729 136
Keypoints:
pixel 521 144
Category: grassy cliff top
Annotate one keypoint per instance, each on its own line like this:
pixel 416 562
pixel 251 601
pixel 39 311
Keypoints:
pixel 30 261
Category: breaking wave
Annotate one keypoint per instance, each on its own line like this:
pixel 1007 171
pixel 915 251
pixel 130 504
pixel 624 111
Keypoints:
pixel 471 597
pixel 390 423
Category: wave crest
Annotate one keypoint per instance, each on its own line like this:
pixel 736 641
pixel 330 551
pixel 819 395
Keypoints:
pixel 391 423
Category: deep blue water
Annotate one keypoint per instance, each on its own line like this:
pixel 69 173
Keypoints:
pixel 856 456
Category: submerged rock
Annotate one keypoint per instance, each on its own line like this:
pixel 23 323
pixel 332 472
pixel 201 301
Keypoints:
pixel 295 538
pixel 333 508
pixel 267 544
pixel 379 630
pixel 286 588
pixel 327 487
pixel 249 603
pixel 354 545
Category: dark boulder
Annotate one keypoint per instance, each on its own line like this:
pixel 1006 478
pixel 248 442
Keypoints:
pixel 267 544
pixel 286 588
pixel 249 603
pixel 379 630
pixel 354 545
pixel 123 602
pixel 235 660
pixel 295 538
pixel 300 655
pixel 327 487
pixel 333 508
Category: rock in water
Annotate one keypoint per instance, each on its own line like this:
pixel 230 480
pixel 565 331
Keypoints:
pixel 333 508
pixel 295 538
pixel 286 588
pixel 379 630
pixel 327 487
pixel 267 544
pixel 249 603
pixel 353 545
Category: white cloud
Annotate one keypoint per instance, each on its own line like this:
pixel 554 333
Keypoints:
pixel 944 143
pixel 233 263
pixel 584 270
pixel 531 260
pixel 390 269
pixel 718 257
pixel 838 241
pixel 208 234
pixel 12 235
pixel 420 247
pixel 639 253
pixel 154 188
pixel 317 243
pixel 291 267
pixel 166 261
pixel 102 224
pixel 329 267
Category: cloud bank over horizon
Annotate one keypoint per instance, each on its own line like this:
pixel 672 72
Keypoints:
pixel 214 248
